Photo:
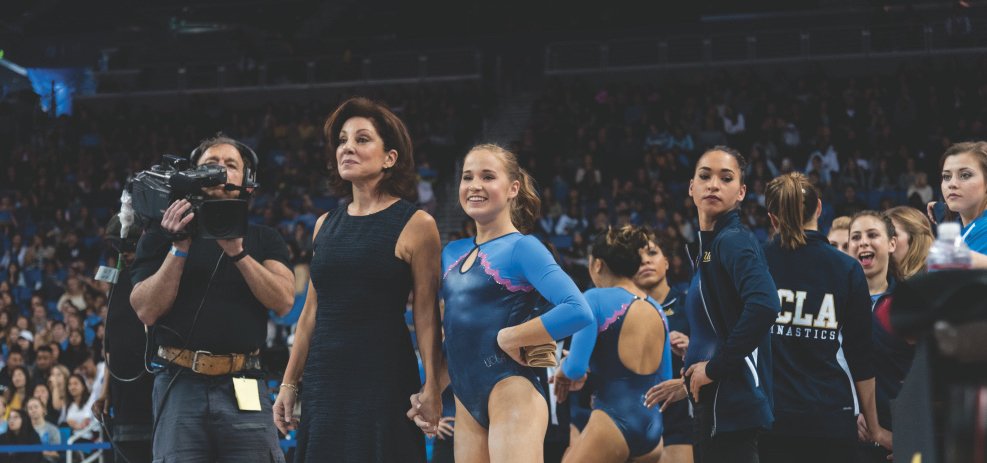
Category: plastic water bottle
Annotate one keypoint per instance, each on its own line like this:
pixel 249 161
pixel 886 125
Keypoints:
pixel 949 252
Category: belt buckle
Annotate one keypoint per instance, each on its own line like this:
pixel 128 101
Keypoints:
pixel 195 360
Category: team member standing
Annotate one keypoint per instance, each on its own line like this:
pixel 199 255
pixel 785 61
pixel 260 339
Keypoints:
pixel 731 307
pixel 915 238
pixel 490 287
pixel 677 420
pixel 352 340
pixel 628 350
pixel 821 342
pixel 839 234
pixel 964 187
pixel 873 241
pixel 208 301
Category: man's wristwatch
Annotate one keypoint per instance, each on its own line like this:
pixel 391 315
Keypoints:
pixel 239 257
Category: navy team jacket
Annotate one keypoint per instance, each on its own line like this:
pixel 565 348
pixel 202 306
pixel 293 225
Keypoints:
pixel 737 307
pixel 821 342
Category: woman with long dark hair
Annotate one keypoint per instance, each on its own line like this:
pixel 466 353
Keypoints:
pixel 20 432
pixel 351 341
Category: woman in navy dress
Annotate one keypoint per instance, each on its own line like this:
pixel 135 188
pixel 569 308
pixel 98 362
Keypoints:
pixel 352 341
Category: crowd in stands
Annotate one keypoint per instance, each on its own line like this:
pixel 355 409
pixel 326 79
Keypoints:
pixel 624 152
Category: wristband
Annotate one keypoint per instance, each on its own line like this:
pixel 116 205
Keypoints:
pixel 239 257
pixel 177 252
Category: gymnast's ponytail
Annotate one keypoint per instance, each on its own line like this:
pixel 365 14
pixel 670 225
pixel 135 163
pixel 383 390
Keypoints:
pixel 792 200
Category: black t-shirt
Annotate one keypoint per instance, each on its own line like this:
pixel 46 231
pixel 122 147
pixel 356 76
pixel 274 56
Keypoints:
pixel 232 320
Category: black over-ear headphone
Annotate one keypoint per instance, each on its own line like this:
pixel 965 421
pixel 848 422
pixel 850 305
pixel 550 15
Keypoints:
pixel 248 155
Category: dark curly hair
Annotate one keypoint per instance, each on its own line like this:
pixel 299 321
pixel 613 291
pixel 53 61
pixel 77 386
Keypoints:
pixel 401 179
pixel 620 249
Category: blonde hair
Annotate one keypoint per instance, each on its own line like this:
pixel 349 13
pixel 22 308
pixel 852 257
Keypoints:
pixel 840 223
pixel 916 224
pixel 526 206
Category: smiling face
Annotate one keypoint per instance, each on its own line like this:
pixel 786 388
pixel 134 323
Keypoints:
pixel 227 156
pixel 716 187
pixel 360 153
pixel 485 188
pixel 871 245
pixel 654 267
pixel 964 185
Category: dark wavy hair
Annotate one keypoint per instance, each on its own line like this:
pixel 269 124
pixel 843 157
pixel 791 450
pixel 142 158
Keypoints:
pixel 401 179
pixel 620 249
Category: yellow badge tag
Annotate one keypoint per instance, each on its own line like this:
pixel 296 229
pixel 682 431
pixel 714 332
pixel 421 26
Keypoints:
pixel 247 395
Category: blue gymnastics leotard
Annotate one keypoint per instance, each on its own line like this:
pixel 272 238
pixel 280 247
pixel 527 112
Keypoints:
pixel 620 392
pixel 499 290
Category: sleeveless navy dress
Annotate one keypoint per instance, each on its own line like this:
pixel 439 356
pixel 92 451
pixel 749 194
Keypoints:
pixel 361 367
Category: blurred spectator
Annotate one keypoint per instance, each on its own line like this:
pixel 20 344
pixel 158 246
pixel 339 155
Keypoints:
pixel 20 432
pixel 15 360
pixel 921 188
pixel 47 432
pixel 58 385
pixel 78 416
pixel 17 393
pixel 76 352
pixel 42 393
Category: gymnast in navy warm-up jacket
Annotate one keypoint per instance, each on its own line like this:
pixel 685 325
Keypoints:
pixel 731 306
pixel 821 343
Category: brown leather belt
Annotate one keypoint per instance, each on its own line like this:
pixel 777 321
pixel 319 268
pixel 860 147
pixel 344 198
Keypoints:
pixel 207 363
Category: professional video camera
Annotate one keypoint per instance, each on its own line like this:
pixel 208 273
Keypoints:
pixel 153 190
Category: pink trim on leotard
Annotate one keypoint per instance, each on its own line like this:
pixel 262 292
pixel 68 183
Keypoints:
pixel 454 264
pixel 613 318
pixel 499 279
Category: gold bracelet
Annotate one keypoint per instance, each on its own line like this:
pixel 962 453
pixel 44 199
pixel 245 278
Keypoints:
pixel 289 386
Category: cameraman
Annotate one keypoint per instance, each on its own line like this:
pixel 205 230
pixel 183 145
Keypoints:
pixel 208 301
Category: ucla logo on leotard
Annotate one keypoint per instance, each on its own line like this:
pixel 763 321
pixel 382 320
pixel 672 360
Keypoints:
pixel 707 256
pixel 804 324
pixel 493 360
